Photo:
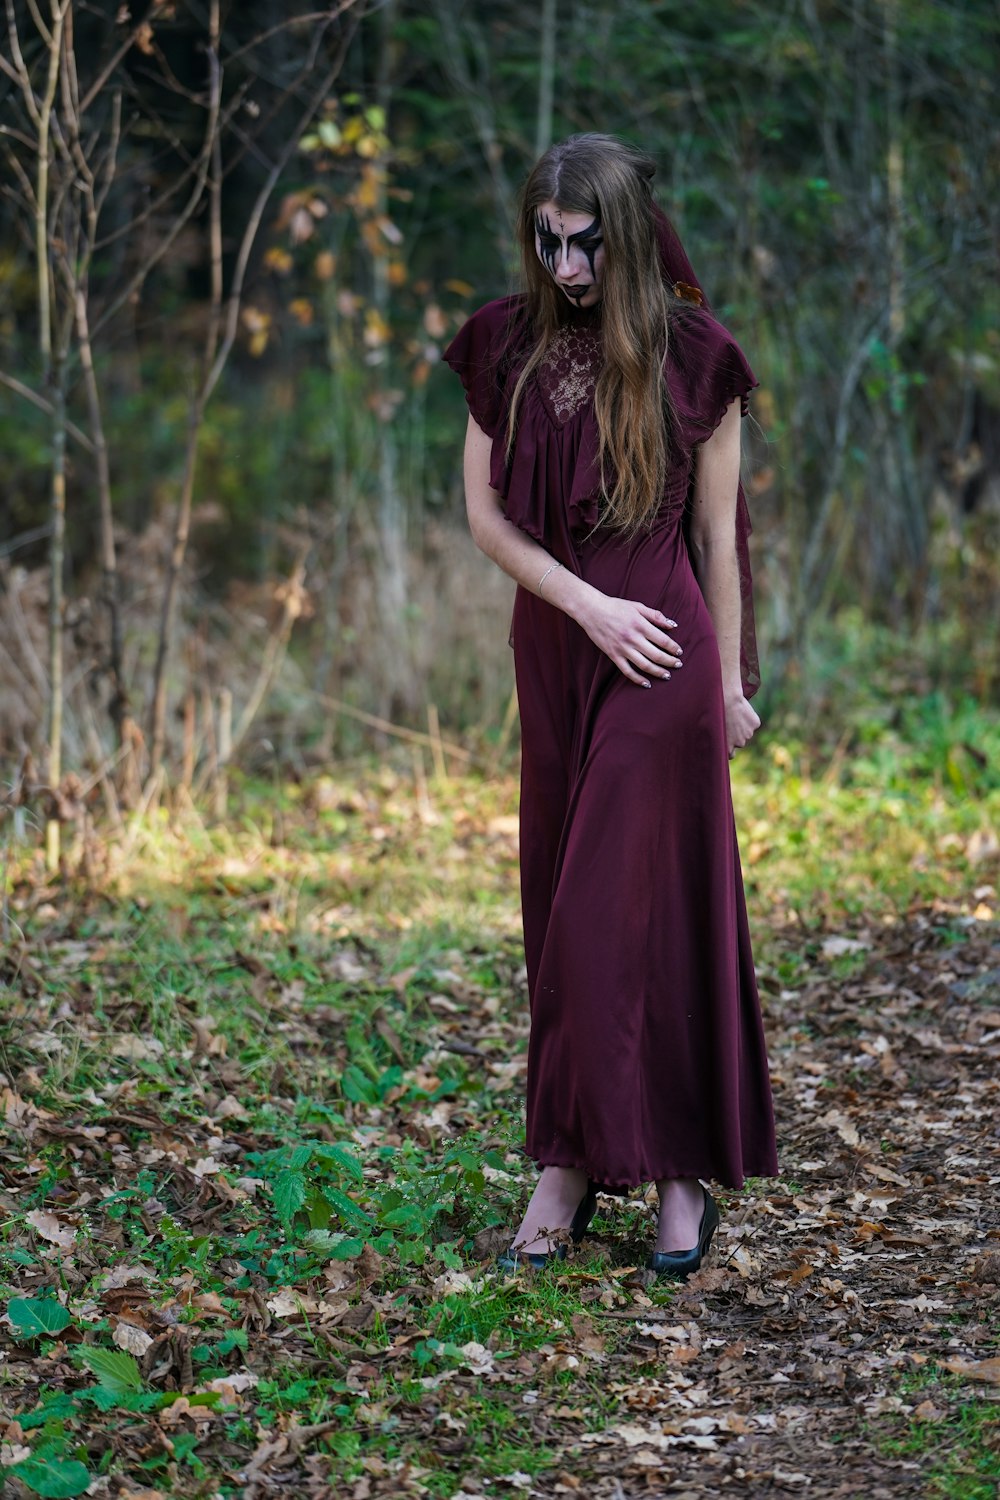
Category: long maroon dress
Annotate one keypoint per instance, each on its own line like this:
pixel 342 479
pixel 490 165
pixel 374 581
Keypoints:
pixel 646 1055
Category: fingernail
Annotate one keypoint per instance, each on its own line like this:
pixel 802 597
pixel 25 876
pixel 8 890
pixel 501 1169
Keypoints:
pixel 672 624
pixel 647 684
pixel 665 676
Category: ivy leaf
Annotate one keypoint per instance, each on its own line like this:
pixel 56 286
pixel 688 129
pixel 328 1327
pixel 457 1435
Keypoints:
pixel 37 1317
pixel 115 1370
pixel 288 1194
pixel 53 1478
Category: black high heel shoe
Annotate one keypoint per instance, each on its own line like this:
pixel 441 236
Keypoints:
pixel 680 1264
pixel 511 1259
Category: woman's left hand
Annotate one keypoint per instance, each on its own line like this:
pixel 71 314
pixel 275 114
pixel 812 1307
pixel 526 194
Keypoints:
pixel 742 722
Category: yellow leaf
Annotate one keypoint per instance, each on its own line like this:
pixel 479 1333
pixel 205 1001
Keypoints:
pixel 366 195
pixel 376 328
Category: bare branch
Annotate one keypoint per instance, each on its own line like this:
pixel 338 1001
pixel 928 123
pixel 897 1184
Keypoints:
pixel 106 171
pixel 265 36
pixel 126 46
pixel 253 222
pixel 194 198
pixel 10 70
pixel 43 30
pixel 155 204
pixel 21 68
pixel 20 389
pixel 42 185
pixel 27 186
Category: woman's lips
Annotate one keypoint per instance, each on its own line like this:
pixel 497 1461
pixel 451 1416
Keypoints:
pixel 577 289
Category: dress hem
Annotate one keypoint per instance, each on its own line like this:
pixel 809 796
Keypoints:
pixel 620 1185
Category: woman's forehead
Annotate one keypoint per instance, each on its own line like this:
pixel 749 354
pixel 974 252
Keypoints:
pixel 562 221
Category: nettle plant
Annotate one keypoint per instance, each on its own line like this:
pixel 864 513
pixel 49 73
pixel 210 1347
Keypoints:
pixel 406 1201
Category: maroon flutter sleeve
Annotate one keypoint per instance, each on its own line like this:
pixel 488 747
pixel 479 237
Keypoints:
pixel 724 375
pixel 479 356
pixel 708 371
pixel 713 372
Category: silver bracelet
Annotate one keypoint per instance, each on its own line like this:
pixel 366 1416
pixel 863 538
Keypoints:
pixel 545 575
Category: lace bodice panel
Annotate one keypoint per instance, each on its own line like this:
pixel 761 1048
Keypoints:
pixel 568 373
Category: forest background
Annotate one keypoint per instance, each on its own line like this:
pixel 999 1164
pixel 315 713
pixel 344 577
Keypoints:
pixel 263 1010
pixel 229 432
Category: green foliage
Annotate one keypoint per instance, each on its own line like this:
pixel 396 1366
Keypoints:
pixel 117 1371
pixel 393 220
pixel 957 1449
pixel 403 1202
pixel 37 1317
pixel 53 1478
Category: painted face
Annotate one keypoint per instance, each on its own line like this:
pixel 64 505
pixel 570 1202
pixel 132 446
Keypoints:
pixel 571 248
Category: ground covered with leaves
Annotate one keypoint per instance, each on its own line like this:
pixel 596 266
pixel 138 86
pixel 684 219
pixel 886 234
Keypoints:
pixel 262 1089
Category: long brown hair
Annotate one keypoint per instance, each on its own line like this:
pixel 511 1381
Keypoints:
pixel 609 180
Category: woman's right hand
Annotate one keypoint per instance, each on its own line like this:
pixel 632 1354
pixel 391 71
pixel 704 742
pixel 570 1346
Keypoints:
pixel 634 636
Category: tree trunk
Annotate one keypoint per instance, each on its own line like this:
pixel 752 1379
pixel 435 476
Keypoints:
pixel 546 76
pixel 119 705
pixel 392 577
pixel 899 459
pixel 57 513
pixel 53 363
pixel 206 381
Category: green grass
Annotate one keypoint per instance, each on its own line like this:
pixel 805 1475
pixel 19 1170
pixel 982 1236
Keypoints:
pixel 959 1449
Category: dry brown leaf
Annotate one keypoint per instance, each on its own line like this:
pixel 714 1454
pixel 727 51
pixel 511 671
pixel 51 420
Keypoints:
pixel 122 1275
pixel 230 1108
pixel 983 1369
pixel 132 1339
pixel 49 1228
pixel 845 1128
pixel 133 1048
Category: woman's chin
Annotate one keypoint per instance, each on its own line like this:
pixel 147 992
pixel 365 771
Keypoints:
pixel 589 298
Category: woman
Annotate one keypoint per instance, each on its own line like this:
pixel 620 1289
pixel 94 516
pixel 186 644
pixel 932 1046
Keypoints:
pixel 602 474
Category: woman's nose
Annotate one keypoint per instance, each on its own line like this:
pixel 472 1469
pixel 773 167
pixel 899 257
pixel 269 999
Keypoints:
pixel 565 265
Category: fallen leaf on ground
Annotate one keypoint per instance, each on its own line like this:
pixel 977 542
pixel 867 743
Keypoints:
pixel 48 1227
pixel 983 1369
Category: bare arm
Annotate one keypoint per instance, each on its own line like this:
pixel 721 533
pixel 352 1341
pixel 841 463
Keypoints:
pixel 633 635
pixel 713 554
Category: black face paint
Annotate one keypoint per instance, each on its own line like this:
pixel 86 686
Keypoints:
pixel 590 241
pixel 548 242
